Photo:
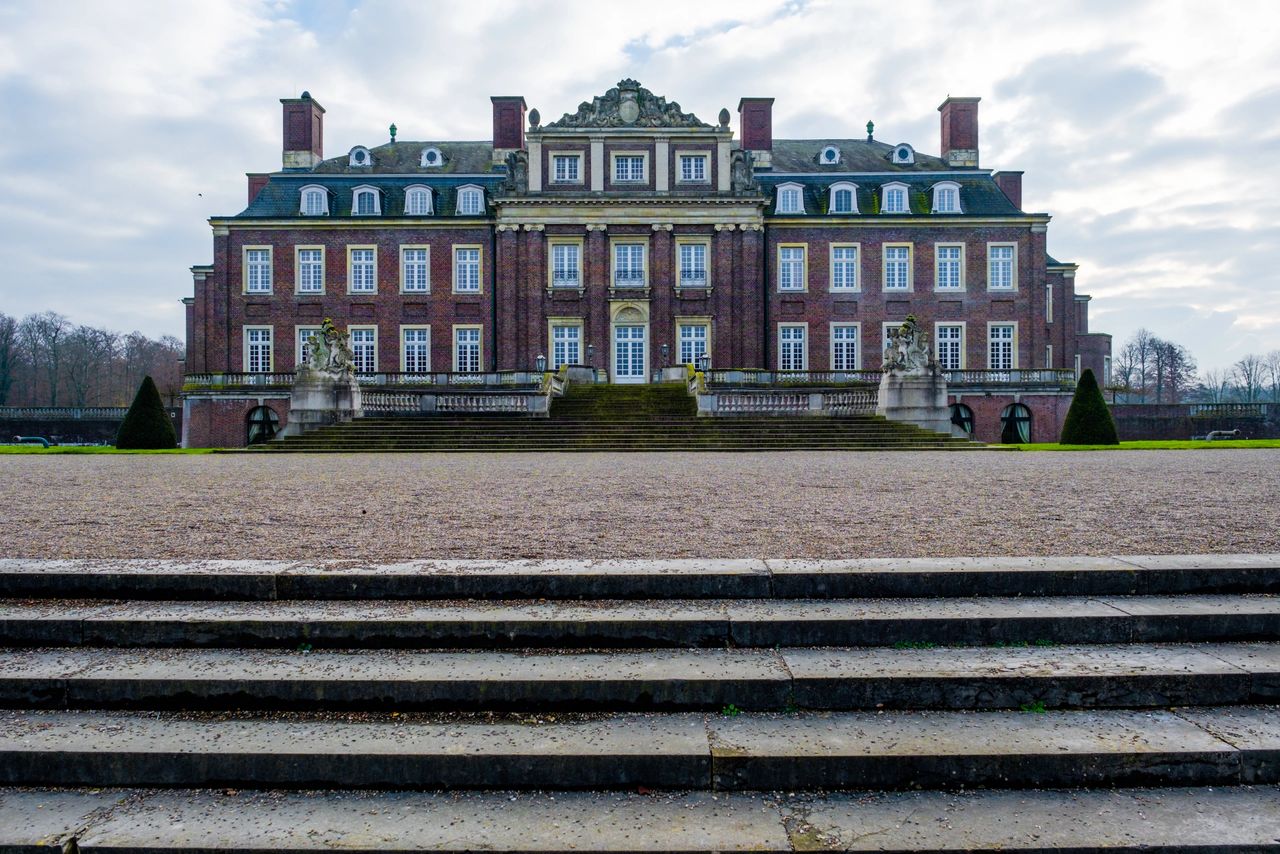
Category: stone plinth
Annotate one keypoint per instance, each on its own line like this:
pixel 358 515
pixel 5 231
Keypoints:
pixel 916 398
pixel 319 398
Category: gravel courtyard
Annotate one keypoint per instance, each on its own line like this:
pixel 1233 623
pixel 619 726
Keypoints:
pixel 383 507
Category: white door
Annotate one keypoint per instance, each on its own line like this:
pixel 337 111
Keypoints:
pixel 630 362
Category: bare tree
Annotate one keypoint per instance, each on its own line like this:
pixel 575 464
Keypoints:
pixel 1216 383
pixel 1175 372
pixel 1272 361
pixel 89 355
pixel 1249 374
pixel 9 355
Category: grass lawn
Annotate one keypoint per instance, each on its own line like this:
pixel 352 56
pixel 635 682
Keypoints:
pixel 1172 445
pixel 93 449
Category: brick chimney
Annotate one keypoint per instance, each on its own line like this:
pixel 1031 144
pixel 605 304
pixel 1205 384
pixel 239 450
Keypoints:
pixel 1010 183
pixel 960 131
pixel 257 180
pixel 508 122
pixel 755 123
pixel 303 132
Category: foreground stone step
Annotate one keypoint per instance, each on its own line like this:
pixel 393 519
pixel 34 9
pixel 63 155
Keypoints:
pixel 691 623
pixel 755 680
pixel 1220 819
pixel 886 750
pixel 641 579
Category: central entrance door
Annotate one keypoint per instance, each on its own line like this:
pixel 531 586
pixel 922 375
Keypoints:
pixel 630 356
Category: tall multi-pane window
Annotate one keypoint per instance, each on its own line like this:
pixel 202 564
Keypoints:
pixel 948 266
pixel 416 349
pixel 628 264
pixel 470 201
pixel 257 349
pixel 466 349
pixel 693 168
pixel 792 351
pixel 895 200
pixel 842 200
pixel 257 271
pixel 1000 347
pixel 315 202
pixel 415 270
pixel 304 342
pixel 693 265
pixel 897 268
pixel 946 200
pixel 789 200
pixel 417 201
pixel 362 271
pixel 1048 303
pixel 693 342
pixel 466 270
pixel 844 347
pixel 844 268
pixel 950 343
pixel 366 203
pixel 565 169
pixel 565 259
pixel 628 168
pixel 1000 268
pixel 364 350
pixel 566 345
pixel 311 271
pixel 791 275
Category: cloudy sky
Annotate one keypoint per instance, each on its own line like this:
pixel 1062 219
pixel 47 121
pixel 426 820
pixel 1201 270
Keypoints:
pixel 1150 130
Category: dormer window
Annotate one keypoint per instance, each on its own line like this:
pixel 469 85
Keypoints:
pixel 417 201
pixel 844 198
pixel 946 197
pixel 360 156
pixel 830 156
pixel 470 201
pixel 431 157
pixel 315 201
pixel 903 154
pixel 790 199
pixel 366 201
pixel 893 199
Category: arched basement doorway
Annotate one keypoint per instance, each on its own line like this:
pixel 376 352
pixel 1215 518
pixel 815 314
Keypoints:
pixel 1015 425
pixel 263 424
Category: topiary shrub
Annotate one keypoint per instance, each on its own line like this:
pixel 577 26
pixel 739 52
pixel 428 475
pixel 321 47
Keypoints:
pixel 146 426
pixel 1089 420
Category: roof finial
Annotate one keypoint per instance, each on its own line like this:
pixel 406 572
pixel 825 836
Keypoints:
pixel 871 129
pixel 393 131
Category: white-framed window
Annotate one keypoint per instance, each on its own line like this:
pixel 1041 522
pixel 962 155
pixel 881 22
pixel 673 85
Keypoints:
pixel 304 334
pixel 466 269
pixel 417 201
pixel 844 266
pixel 415 349
pixel 1077 366
pixel 948 266
pixel 692 169
pixel 566 265
pixel 257 350
pixel 830 155
pixel 844 346
pixel 362 270
pixel 364 348
pixel 693 264
pixel 949 338
pixel 431 158
pixel 893 199
pixel 566 168
pixel 257 269
pixel 792 275
pixel 1048 303
pixel 790 199
pixel 628 265
pixel 366 201
pixel 946 197
pixel 360 156
pixel 692 340
pixel 566 344
pixel 470 201
pixel 793 347
pixel 1002 351
pixel 466 349
pixel 1048 355
pixel 415 269
pixel 628 168
pixel 897 267
pixel 309 261
pixel 903 154
pixel 314 201
pixel 1002 268
pixel 844 198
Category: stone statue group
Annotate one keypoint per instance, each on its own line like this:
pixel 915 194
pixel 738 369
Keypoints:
pixel 907 350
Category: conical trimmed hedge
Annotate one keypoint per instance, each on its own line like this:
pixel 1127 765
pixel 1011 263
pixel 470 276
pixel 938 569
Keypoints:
pixel 146 425
pixel 1089 420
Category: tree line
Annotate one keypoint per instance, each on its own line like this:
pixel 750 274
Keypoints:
pixel 1149 369
pixel 46 360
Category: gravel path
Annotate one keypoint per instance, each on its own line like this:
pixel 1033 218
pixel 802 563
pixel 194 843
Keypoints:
pixel 383 507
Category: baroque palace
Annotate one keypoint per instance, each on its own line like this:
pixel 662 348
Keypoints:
pixel 632 238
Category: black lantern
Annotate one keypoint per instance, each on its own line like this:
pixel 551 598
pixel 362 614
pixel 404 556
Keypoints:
pixel 666 352
pixel 591 354
pixel 541 362
pixel 704 361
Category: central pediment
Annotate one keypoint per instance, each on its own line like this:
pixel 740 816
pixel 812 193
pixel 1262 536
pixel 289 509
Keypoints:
pixel 628 105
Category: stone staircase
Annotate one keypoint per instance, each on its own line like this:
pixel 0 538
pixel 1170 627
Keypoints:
pixel 1028 704
pixel 657 417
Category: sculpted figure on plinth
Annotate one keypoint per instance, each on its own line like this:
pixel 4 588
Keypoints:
pixel 907 351
pixel 329 352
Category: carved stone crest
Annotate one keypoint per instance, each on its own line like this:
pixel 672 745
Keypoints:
pixel 907 350
pixel 628 105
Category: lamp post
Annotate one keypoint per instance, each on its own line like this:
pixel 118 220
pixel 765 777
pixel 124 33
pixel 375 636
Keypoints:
pixel 666 354
pixel 541 362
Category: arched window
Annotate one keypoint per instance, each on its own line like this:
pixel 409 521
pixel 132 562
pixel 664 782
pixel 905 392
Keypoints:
pixel 1015 425
pixel 314 201
pixel 844 198
pixel 470 201
pixel 946 197
pixel 263 424
pixel 790 199
pixel 962 418
pixel 893 199
pixel 417 201
pixel 366 201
